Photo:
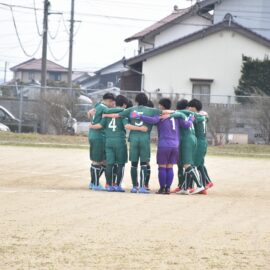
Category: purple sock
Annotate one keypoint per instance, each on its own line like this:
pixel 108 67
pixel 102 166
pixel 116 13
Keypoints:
pixel 162 177
pixel 169 178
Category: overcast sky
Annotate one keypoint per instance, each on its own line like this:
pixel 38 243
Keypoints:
pixel 99 38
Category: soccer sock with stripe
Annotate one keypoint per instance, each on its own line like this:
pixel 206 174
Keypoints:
pixel 95 174
pixel 169 177
pixel 162 176
pixel 120 174
pixel 147 179
pixel 207 175
pixel 143 175
pixel 180 175
pixel 115 169
pixel 109 174
pixel 203 175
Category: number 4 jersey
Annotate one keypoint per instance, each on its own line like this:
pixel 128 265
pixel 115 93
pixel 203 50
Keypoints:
pixel 114 128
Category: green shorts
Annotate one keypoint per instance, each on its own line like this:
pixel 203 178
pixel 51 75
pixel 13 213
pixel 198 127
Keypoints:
pixel 139 149
pixel 201 150
pixel 97 149
pixel 116 151
pixel 188 150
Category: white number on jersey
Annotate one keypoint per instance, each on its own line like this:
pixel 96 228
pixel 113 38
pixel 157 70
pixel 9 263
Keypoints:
pixel 173 123
pixel 112 125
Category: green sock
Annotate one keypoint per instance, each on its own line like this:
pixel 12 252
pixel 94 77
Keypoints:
pixel 143 175
pixel 109 174
pixel 134 176
pixel 120 174
pixel 147 178
pixel 115 168
pixel 180 175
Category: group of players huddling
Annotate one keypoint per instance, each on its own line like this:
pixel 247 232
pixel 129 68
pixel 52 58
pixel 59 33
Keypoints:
pixel 181 140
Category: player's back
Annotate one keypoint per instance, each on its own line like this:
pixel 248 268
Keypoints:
pixel 168 133
pixel 200 127
pixel 142 110
pixel 114 128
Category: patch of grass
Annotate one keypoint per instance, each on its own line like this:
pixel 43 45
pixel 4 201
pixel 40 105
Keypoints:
pixel 247 150
pixel 81 142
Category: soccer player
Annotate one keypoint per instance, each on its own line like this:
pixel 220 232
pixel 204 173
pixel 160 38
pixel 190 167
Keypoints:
pixel 97 142
pixel 168 143
pixel 187 171
pixel 200 126
pixel 115 146
pixel 139 141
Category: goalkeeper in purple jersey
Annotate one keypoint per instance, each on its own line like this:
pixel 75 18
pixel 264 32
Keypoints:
pixel 168 143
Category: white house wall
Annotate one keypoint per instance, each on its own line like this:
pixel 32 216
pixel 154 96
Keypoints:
pixel 181 29
pixel 217 57
pixel 249 13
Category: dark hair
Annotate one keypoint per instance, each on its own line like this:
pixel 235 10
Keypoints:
pixel 129 104
pixel 108 96
pixel 121 100
pixel 181 104
pixel 141 99
pixel 166 103
pixel 195 103
pixel 150 104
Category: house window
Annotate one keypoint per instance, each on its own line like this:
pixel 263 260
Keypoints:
pixel 55 76
pixel 31 75
pixel 201 90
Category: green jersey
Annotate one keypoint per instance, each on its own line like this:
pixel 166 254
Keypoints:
pixel 185 132
pixel 114 128
pixel 200 126
pixel 100 110
pixel 143 110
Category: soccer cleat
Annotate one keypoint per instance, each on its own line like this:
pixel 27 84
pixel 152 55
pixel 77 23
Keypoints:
pixel 91 185
pixel 144 190
pixel 197 190
pixel 209 185
pixel 147 187
pixel 99 188
pixel 183 192
pixel 110 188
pixel 161 191
pixel 118 189
pixel 204 192
pixel 191 190
pixel 167 191
pixel 106 185
pixel 134 190
pixel 176 190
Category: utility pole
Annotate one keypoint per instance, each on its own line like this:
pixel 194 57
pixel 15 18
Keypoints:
pixel 71 33
pixel 44 46
pixel 5 72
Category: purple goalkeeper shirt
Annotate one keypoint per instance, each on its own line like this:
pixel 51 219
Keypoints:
pixel 168 129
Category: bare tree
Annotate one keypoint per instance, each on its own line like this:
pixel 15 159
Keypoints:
pixel 220 123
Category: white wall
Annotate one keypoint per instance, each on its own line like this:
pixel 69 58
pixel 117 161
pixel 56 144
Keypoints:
pixel 217 57
pixel 249 13
pixel 181 29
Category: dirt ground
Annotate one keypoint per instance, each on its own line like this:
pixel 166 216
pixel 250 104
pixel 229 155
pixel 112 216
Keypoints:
pixel 50 220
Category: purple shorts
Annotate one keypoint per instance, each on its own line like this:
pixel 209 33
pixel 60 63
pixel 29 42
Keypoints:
pixel 167 155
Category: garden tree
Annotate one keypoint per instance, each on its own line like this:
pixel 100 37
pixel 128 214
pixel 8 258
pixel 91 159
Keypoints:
pixel 57 110
pixel 255 78
pixel 220 123
pixel 262 116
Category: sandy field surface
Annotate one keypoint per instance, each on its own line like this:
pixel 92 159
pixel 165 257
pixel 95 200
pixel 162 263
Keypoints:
pixel 50 220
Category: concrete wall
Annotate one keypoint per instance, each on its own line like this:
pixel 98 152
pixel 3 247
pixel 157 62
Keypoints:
pixel 217 57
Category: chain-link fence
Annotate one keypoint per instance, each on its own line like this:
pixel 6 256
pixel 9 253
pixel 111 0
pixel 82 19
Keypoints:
pixel 233 119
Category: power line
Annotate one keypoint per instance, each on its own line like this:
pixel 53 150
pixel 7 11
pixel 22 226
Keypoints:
pixel 19 39
pixel 53 55
pixel 35 12
pixel 57 30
